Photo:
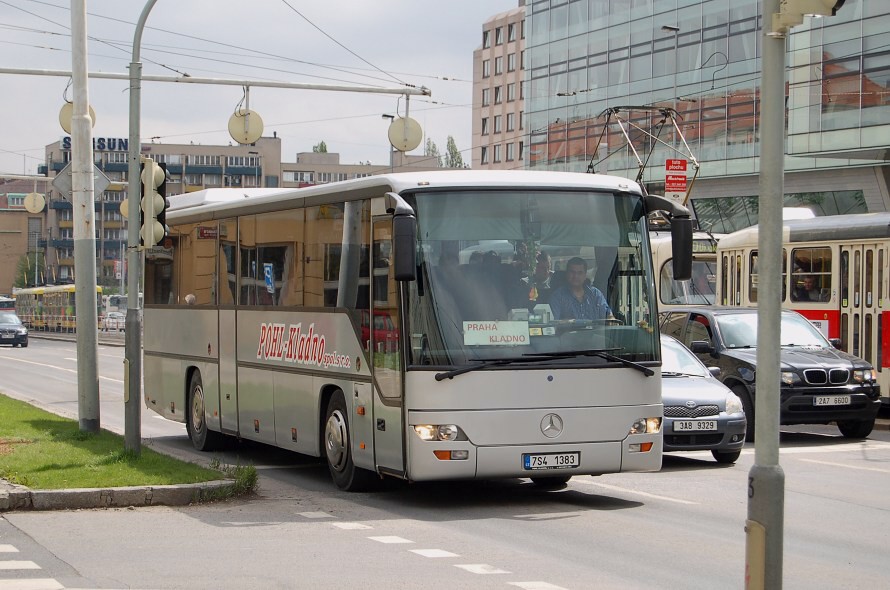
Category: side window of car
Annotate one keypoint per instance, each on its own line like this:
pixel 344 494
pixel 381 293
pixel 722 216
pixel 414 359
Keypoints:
pixel 673 325
pixel 697 330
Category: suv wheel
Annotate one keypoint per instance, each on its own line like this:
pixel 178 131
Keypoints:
pixel 856 428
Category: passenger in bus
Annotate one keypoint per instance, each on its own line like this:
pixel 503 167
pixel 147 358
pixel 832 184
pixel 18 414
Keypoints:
pixel 809 291
pixel 578 299
pixel 537 286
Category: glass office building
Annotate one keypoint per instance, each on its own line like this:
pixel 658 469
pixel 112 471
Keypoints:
pixel 702 58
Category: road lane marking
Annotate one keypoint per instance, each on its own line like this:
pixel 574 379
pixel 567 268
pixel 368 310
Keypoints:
pixel 32 584
pixel 314 515
pixel 635 492
pixel 8 549
pixel 481 568
pixel 434 553
pixel 535 586
pixel 65 369
pixel 18 565
pixel 390 539
pixel 351 526
pixel 844 465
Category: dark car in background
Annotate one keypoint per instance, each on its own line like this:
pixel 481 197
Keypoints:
pixel 12 330
pixel 819 384
pixel 700 413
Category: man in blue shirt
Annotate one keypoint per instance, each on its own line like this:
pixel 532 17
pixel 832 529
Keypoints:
pixel 576 299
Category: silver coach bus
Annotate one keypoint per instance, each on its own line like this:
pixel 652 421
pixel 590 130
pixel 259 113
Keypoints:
pixel 339 321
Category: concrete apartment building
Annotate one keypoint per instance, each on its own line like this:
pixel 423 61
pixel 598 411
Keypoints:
pixel 190 167
pixel 498 92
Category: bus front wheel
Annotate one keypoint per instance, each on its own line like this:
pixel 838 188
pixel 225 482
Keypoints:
pixel 196 417
pixel 338 448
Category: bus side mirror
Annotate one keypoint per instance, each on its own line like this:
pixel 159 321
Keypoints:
pixel 404 236
pixel 681 247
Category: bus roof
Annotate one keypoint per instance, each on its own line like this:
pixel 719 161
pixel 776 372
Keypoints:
pixel 206 203
pixel 858 226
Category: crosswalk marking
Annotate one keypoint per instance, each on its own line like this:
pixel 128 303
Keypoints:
pixel 351 526
pixel 481 568
pixel 390 539
pixel 18 565
pixel 8 549
pixel 433 553
pixel 32 584
pixel 536 586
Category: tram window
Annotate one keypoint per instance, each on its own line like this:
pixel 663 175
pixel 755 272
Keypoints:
pixel 880 275
pixel 845 278
pixel 867 355
pixel 811 274
pixel 724 273
pixel 869 276
pixel 857 278
pixel 752 287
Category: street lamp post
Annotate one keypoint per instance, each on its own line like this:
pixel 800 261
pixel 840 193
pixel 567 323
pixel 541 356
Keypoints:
pixel 391 148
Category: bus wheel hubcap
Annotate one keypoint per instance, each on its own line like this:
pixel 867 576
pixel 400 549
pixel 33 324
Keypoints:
pixel 198 409
pixel 336 440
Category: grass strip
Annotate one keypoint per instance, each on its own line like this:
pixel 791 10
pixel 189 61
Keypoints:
pixel 41 450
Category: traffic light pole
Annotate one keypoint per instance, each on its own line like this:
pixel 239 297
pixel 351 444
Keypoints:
pixel 133 351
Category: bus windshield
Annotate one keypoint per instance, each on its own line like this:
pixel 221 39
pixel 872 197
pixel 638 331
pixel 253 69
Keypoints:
pixel 507 273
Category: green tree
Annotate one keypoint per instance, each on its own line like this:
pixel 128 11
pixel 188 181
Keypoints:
pixel 453 159
pixel 25 275
pixel 431 150
pixel 320 148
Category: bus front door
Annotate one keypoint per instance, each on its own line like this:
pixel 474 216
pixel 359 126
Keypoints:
pixel 386 357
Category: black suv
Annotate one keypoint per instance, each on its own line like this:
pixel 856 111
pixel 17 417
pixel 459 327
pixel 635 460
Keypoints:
pixel 820 384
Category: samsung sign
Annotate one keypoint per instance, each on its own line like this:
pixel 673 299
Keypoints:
pixel 102 144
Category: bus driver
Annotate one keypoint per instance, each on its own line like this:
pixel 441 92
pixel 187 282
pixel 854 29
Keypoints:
pixel 577 299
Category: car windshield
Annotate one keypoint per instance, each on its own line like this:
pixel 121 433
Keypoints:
pixel 10 318
pixel 740 331
pixel 676 358
pixel 496 268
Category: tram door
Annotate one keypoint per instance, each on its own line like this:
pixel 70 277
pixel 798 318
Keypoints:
pixel 861 294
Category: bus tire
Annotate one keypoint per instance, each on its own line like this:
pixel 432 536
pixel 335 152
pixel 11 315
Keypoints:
pixel 748 407
pixel 551 483
pixel 856 428
pixel 338 448
pixel 202 438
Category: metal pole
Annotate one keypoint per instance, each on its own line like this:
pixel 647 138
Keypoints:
pixel 82 184
pixel 133 323
pixel 766 479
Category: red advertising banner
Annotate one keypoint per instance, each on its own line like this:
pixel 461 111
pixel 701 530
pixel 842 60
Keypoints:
pixel 675 183
pixel 675 165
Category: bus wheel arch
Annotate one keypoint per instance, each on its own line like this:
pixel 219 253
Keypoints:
pixel 337 444
pixel 201 436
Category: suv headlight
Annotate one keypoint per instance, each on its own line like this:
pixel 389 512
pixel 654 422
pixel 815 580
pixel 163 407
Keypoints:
pixel 790 378
pixel 863 375
pixel 733 404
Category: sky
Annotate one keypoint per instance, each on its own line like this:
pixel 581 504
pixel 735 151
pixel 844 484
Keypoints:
pixel 381 43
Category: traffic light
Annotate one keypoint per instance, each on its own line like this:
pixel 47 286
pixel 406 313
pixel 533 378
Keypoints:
pixel 154 203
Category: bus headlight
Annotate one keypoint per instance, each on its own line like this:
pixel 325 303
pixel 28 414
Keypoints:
pixel 863 376
pixel 646 425
pixel 439 432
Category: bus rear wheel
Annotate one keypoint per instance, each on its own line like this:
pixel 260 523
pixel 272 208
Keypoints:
pixel 551 483
pixel 338 448
pixel 202 438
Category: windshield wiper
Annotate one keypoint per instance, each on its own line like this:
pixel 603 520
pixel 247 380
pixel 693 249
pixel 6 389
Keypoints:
pixel 603 353
pixel 485 363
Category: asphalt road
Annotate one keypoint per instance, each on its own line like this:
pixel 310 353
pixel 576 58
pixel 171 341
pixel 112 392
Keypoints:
pixel 682 527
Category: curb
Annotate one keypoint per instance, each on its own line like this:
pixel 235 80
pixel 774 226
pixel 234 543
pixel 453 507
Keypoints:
pixel 15 497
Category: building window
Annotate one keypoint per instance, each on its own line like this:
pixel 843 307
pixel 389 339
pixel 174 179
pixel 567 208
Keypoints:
pixel 521 90
pixel 486 68
pixel 521 150
pixel 484 125
pixel 499 36
pixel 511 32
pixel 497 153
pixel 497 95
pixel 510 121
pixel 522 29
pixel 195 179
pixel 511 92
pixel 522 119
pixel 485 97
pixel 497 123
pixel 522 59
pixel 296 176
pixel 510 151
pixel 486 39
pixel 511 62
pixel 484 158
